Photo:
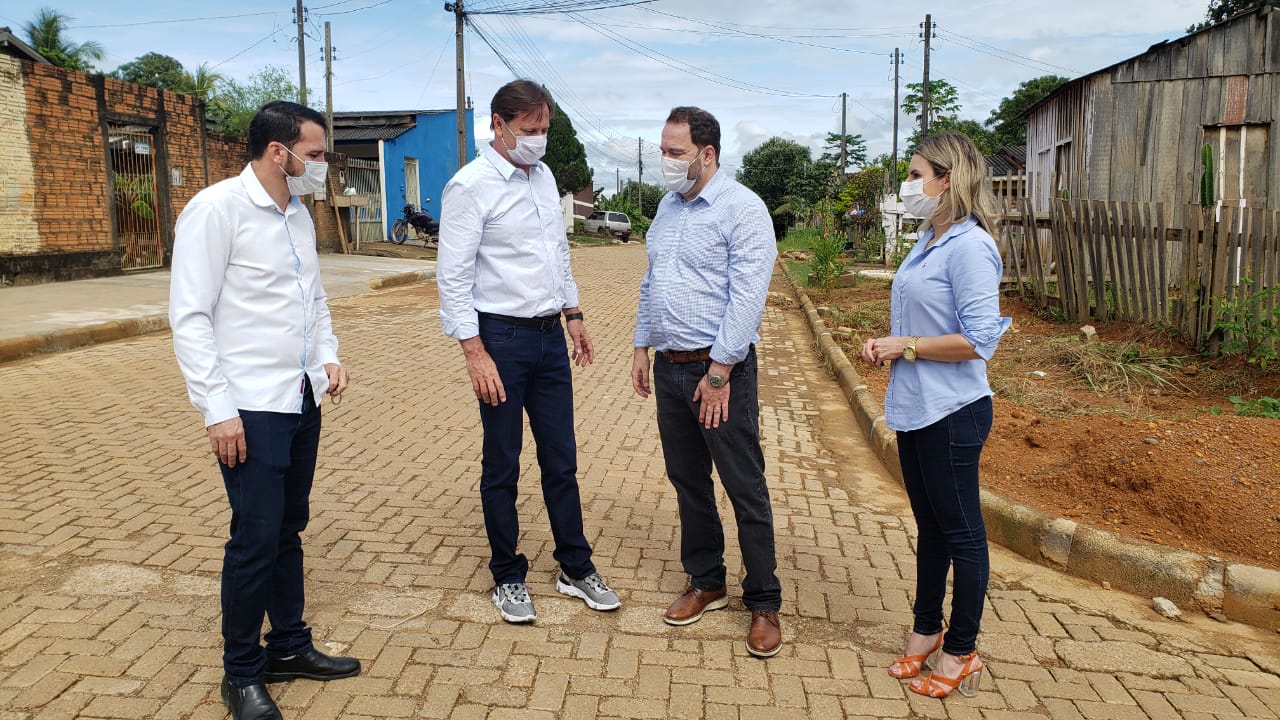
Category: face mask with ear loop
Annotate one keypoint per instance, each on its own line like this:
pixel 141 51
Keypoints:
pixel 312 178
pixel 916 201
pixel 529 149
pixel 675 173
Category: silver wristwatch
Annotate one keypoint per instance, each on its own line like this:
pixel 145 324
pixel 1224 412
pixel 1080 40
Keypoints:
pixel 717 381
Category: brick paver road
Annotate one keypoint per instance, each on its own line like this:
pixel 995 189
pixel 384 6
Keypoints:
pixel 112 519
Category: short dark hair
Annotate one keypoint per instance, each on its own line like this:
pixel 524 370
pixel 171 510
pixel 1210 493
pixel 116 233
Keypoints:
pixel 280 121
pixel 704 129
pixel 519 96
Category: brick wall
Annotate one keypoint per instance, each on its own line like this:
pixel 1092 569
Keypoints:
pixel 56 214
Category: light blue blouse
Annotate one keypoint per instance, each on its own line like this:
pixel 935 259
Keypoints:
pixel 951 287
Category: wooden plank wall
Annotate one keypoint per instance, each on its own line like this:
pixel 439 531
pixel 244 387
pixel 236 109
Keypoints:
pixel 1135 129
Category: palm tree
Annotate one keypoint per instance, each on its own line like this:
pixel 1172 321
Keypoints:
pixel 47 34
pixel 201 83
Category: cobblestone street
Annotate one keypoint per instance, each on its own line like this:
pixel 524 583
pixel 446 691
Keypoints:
pixel 113 516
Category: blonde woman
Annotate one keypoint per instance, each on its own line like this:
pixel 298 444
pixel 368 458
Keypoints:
pixel 946 323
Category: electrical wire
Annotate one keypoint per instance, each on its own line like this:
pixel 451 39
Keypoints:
pixel 353 10
pixel 1009 53
pixel 170 22
pixel 274 31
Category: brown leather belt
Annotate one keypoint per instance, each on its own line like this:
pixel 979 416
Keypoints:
pixel 680 357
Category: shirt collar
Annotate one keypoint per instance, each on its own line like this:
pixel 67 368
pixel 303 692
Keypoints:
pixel 957 229
pixel 259 194
pixel 501 164
pixel 714 188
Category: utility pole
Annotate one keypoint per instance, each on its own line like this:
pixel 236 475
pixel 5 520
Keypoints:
pixel 893 169
pixel 924 94
pixel 617 174
pixel 328 83
pixel 302 55
pixel 459 17
pixel 844 134
pixel 640 175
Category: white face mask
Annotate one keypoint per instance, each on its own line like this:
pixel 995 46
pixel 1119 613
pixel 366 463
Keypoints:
pixel 529 149
pixel 916 201
pixel 676 174
pixel 312 178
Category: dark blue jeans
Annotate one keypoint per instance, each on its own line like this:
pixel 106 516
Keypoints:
pixel 689 450
pixel 534 366
pixel 262 565
pixel 940 471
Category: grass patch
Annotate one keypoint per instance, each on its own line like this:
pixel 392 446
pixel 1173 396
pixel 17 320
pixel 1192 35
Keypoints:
pixel 1110 367
pixel 802 239
pixel 799 271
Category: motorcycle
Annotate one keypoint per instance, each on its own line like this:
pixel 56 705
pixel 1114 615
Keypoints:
pixel 422 223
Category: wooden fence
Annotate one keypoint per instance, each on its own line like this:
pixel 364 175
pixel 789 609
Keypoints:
pixel 1139 262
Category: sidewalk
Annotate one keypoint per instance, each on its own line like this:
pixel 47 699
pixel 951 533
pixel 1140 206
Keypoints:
pixel 59 316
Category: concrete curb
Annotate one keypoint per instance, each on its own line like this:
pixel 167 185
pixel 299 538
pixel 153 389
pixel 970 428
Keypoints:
pixel 66 339
pixel 1243 593
pixel 404 278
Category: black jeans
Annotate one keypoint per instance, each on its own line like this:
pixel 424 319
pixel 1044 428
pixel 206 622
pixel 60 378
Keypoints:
pixel 534 367
pixel 689 450
pixel 940 472
pixel 262 564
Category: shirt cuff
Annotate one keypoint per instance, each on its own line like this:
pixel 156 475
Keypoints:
pixel 221 409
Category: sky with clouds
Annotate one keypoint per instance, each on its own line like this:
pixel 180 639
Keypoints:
pixel 763 68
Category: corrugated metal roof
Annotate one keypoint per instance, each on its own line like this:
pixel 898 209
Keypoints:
pixel 356 134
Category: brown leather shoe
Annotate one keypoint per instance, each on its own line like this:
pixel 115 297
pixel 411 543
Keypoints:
pixel 689 607
pixel 765 637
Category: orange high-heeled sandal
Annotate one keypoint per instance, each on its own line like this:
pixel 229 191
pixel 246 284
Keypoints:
pixel 910 665
pixel 937 686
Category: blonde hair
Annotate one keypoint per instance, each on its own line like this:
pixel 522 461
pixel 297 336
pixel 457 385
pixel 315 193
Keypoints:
pixel 970 193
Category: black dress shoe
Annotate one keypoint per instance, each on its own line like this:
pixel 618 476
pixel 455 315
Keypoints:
pixel 312 665
pixel 249 703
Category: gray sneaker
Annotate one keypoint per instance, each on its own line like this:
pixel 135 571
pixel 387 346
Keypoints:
pixel 592 589
pixel 514 603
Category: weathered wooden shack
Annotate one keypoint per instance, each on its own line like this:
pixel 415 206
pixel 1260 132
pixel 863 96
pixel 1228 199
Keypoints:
pixel 1135 131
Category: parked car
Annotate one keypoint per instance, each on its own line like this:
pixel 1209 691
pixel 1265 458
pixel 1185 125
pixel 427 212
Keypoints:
pixel 606 222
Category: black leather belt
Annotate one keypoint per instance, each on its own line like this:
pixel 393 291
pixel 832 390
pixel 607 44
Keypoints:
pixel 681 357
pixel 544 323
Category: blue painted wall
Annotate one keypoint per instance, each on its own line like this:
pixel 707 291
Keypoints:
pixel 434 142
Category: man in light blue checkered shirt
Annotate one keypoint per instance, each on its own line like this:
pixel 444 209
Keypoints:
pixel 711 253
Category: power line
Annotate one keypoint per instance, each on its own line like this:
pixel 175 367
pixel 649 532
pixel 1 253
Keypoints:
pixel 170 22
pixel 1005 52
pixel 551 7
pixel 766 37
pixel 274 31
pixel 353 10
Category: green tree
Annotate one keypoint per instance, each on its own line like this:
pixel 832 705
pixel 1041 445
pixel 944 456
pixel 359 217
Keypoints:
pixel 775 169
pixel 883 161
pixel 944 100
pixel 566 156
pixel 235 103
pixel 1008 122
pixel 980 136
pixel 650 196
pixel 1220 10
pixel 154 69
pixel 858 204
pixel 855 150
pixel 203 83
pixel 46 33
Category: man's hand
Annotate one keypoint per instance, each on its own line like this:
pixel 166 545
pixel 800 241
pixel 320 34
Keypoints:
pixel 583 351
pixel 640 372
pixel 485 381
pixel 339 378
pixel 227 440
pixel 715 401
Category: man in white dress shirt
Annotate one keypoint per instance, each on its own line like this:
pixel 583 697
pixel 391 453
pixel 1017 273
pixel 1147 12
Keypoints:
pixel 504 278
pixel 252 334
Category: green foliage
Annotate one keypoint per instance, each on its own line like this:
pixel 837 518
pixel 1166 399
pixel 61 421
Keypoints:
pixel 944 101
pixel 1206 179
pixel 1008 122
pixel 982 137
pixel 46 33
pixel 855 151
pixel 1123 366
pixel 1265 407
pixel 650 196
pixel 799 239
pixel 1220 10
pixel 624 203
pixel 1250 323
pixel 135 192
pixel 236 103
pixel 828 258
pixel 860 195
pixel 154 69
pixel 566 156
pixel 773 168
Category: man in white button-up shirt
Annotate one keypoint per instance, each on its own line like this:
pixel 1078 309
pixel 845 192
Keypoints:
pixel 504 278
pixel 252 334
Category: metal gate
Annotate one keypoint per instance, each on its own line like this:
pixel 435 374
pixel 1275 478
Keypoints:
pixel 366 177
pixel 133 196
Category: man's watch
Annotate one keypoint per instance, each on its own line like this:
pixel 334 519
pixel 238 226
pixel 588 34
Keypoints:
pixel 572 316
pixel 717 381
pixel 909 352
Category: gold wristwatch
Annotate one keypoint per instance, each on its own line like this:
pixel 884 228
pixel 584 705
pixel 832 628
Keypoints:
pixel 909 352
